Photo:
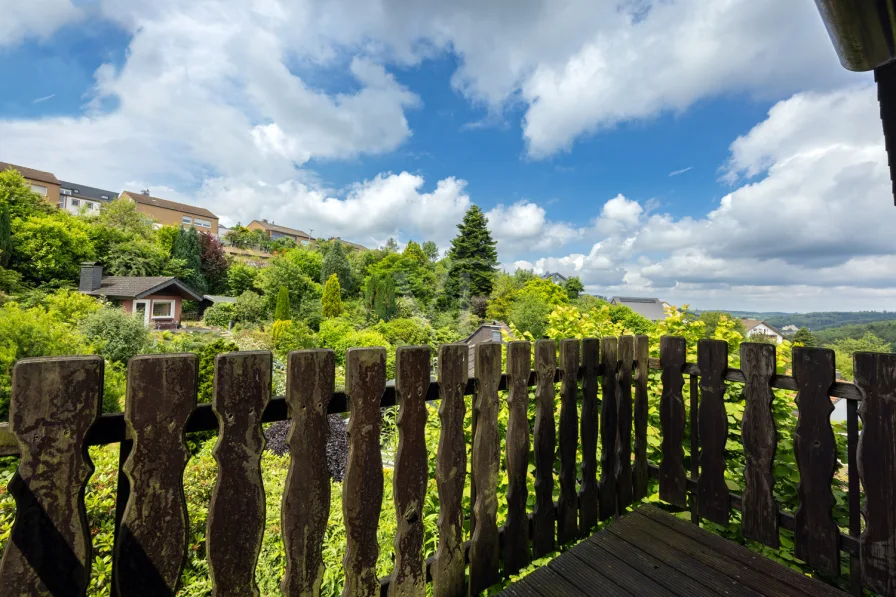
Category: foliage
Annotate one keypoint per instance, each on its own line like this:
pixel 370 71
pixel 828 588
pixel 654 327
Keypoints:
pixel 474 258
pixel 430 250
pixel 5 236
pixel 885 330
pixel 122 215
pixel 529 314
pixel 711 320
pixel 845 349
pixel 380 296
pixel 282 310
pixel 207 366
pixel 331 301
pixel 573 287
pixel 240 278
pixel 249 307
pixel 214 263
pixel 405 331
pixel 16 195
pixel 70 306
pixel 823 320
pixel 165 237
pixel 116 335
pixel 187 247
pixel 220 314
pixel 759 338
pixel 290 269
pixel 292 335
pixel 805 337
pixel 243 238
pixel 410 272
pixel 50 249
pixel 335 262
pixel 137 258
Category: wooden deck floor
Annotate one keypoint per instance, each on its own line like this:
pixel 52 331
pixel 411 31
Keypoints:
pixel 651 553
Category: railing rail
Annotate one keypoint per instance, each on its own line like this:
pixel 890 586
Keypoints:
pixel 55 415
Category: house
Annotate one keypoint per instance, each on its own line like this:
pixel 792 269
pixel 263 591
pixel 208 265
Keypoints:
pixel 275 231
pixel 487 332
pixel 43 183
pixel 212 299
pixel 649 308
pixel 171 213
pixel 755 327
pixel 78 198
pixel 155 299
pixel 349 244
pixel 789 330
pixel 555 277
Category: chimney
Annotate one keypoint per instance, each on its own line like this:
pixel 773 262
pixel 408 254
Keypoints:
pixel 145 192
pixel 91 276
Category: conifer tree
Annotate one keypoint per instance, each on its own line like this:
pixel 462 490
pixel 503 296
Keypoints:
pixel 331 301
pixel 281 310
pixel 187 248
pixel 380 297
pixel 336 262
pixel 5 237
pixel 474 258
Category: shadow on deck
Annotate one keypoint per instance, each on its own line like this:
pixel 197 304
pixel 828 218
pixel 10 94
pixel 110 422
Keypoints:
pixel 650 552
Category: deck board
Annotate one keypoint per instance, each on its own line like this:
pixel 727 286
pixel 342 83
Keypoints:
pixel 652 553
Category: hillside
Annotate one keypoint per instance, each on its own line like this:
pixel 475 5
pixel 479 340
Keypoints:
pixel 885 330
pixel 817 321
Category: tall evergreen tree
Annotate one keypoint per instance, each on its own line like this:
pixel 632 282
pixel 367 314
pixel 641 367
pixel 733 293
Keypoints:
pixel 331 301
pixel 474 258
pixel 431 250
pixel 186 247
pixel 282 310
pixel 5 236
pixel 380 296
pixel 336 262
pixel 805 337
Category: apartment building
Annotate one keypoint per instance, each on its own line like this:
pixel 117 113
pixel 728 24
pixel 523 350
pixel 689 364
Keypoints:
pixel 78 198
pixel 43 183
pixel 171 213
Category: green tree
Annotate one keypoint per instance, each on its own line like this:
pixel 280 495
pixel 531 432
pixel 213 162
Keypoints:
pixel 122 215
pixel 846 348
pixel 282 310
pixel 380 297
pixel 116 335
pixel 335 262
pixel 288 269
pixel 474 258
pixel 186 246
pixel 331 301
pixel 49 249
pixel 138 257
pixel 431 250
pixel 574 287
pixel 391 246
pixel 240 278
pixel 805 337
pixel 5 236
pixel 17 196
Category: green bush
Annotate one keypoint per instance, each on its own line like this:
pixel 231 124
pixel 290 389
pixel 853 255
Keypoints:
pixel 207 366
pixel 116 335
pixel 220 314
pixel 331 301
pixel 282 310
pixel 293 335
pixel 249 307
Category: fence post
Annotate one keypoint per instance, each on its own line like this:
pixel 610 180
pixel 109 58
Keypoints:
pixel 712 491
pixel 568 513
pixel 673 480
pixel 543 517
pixel 589 498
pixel 609 413
pixel 624 423
pixel 516 528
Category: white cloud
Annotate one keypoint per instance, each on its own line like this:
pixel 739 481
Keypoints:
pixel 524 227
pixel 34 19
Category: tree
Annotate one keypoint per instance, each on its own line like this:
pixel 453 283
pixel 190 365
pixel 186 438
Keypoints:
pixel 5 236
pixel 136 258
pixel 711 320
pixel 214 263
pixel 391 246
pixel 574 287
pixel 249 307
pixel 17 196
pixel 337 263
pixel 332 301
pixel 240 278
pixel 805 337
pixel 186 247
pixel 49 249
pixel 431 250
pixel 288 269
pixel 474 258
pixel 846 348
pixel 282 310
pixel 530 314
pixel 116 335
pixel 380 297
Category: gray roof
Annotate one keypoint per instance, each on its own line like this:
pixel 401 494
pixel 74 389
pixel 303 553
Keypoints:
pixel 172 205
pixel 551 275
pixel 85 192
pixel 219 298
pixel 281 229
pixel 137 287
pixel 650 308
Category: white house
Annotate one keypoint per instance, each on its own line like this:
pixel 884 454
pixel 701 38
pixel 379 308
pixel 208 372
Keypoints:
pixel 755 327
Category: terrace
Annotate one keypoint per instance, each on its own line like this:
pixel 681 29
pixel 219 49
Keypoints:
pixel 590 467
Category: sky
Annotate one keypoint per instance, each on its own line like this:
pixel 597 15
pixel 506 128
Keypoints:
pixel 711 154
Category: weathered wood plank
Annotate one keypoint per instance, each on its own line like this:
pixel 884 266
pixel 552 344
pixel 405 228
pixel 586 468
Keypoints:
pixel 545 434
pixel 640 471
pixel 567 514
pixel 516 526
pixel 485 555
pixel 673 479
pixel 451 470
pixel 54 402
pixel 624 423
pixel 242 389
pixel 712 492
pixel 760 513
pixel 589 497
pixel 362 488
pixel 152 542
pixel 310 381
pixel 411 471
pixel 816 536
pixel 609 414
pixel 875 375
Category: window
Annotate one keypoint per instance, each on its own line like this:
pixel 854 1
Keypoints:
pixel 186 220
pixel 162 309
pixel 76 191
pixel 496 336
pixel 75 203
pixel 203 223
pixel 104 196
pixel 39 189
pixel 65 191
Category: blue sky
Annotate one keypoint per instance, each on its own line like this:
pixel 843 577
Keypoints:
pixel 717 156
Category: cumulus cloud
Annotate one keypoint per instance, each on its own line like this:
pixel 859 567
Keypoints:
pixel 34 19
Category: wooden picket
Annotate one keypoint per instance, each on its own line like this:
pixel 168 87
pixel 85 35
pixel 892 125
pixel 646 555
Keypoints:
pixel 55 414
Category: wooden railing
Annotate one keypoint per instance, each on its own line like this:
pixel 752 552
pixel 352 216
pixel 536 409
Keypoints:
pixel 55 415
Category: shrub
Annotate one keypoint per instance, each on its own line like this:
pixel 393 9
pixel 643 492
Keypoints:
pixel 70 306
pixel 400 332
pixel 249 307
pixel 49 249
pixel 207 365
pixel 292 335
pixel 116 335
pixel 240 278
pixel 331 302
pixel 220 314
pixel 281 311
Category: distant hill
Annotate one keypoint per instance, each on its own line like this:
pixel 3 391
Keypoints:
pixel 885 330
pixel 821 320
